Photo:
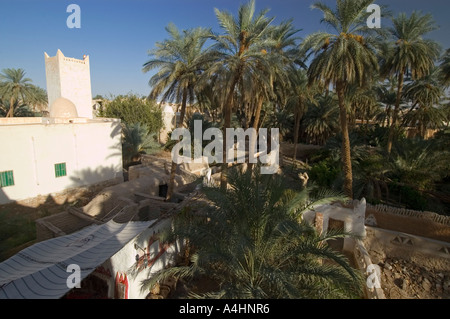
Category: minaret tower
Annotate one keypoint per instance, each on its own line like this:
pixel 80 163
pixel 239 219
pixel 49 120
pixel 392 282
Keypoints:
pixel 69 78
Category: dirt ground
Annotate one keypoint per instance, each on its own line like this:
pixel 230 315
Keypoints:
pixel 401 279
pixel 417 277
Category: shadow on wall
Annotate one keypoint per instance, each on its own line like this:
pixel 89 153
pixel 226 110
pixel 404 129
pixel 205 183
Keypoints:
pixel 117 129
pixel 18 218
pixel 115 133
pixel 3 197
pixel 94 176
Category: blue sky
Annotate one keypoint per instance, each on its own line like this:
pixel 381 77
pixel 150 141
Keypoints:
pixel 116 34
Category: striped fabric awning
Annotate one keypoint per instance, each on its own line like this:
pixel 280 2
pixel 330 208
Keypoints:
pixel 41 270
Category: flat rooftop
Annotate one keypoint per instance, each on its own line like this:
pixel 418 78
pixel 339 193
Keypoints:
pixel 52 120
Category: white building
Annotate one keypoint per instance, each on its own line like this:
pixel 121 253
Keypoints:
pixel 69 149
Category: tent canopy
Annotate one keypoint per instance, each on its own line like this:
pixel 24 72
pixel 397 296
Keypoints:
pixel 41 270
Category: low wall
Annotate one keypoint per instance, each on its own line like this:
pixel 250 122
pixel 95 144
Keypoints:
pixel 424 224
pixel 426 252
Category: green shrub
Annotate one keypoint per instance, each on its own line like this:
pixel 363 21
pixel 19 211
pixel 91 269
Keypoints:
pixel 324 173
pixel 133 109
pixel 137 141
pixel 409 197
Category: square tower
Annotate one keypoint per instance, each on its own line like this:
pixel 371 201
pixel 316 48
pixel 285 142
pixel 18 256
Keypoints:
pixel 69 78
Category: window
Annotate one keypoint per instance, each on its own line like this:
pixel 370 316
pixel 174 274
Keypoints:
pixel 6 179
pixel 60 170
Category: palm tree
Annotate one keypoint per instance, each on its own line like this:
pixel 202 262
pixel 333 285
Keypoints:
pixel 137 141
pixel 425 95
pixel 180 61
pixel 445 68
pixel 387 96
pixel 346 57
pixel 242 51
pixel 363 103
pixel 252 244
pixel 419 163
pixel 301 96
pixel 276 117
pixel 20 110
pixel 321 119
pixel 18 89
pixel 408 54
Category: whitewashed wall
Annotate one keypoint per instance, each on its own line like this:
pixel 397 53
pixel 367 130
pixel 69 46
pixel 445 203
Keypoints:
pixel 91 150
pixel 121 263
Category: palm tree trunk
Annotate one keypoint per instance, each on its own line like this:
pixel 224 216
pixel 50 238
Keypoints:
pixel 252 145
pixel 173 169
pixel 388 117
pixel 394 124
pixel 297 128
pixel 228 109
pixel 11 107
pixel 345 149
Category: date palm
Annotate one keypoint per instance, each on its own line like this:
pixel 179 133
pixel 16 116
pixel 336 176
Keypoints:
pixel 240 52
pixel 18 89
pixel 345 57
pixel 386 93
pixel 137 141
pixel 251 243
pixel 445 68
pixel 179 61
pixel 321 119
pixel 408 54
pixel 363 104
pixel 426 95
pixel 419 163
pixel 301 96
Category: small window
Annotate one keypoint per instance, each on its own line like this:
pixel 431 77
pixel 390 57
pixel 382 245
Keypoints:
pixel 60 170
pixel 6 179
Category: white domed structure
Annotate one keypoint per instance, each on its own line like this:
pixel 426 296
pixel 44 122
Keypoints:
pixel 62 107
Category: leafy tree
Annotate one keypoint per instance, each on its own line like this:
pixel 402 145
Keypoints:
pixel 132 109
pixel 252 243
pixel 345 57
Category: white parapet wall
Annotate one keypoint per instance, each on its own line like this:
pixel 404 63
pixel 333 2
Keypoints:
pixel 43 156
pixel 353 219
